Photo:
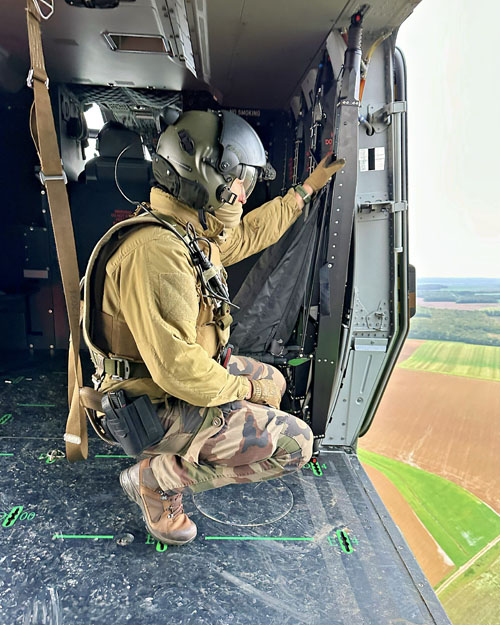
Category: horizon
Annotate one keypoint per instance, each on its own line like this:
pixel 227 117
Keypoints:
pixel 457 278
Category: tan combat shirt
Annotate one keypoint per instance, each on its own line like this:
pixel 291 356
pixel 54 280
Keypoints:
pixel 152 288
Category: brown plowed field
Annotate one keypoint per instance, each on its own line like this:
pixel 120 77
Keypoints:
pixel 444 424
pixel 409 346
pixel 426 550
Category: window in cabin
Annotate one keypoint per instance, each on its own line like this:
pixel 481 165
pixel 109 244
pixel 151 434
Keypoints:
pixel 95 121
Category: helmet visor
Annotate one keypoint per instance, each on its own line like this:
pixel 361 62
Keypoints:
pixel 248 176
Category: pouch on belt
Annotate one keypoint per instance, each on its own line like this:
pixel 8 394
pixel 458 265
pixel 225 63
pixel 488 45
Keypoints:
pixel 133 424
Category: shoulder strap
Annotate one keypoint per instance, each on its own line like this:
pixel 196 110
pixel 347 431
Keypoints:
pixel 93 282
pixel 52 176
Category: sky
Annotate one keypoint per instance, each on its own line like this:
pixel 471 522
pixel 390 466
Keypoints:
pixel 450 48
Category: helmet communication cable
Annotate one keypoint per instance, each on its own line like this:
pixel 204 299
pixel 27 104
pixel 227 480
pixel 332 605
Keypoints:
pixel 116 177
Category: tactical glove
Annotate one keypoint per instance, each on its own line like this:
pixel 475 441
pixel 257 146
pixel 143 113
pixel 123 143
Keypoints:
pixel 323 172
pixel 265 392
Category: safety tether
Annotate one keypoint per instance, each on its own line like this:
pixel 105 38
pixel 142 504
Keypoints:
pixel 53 178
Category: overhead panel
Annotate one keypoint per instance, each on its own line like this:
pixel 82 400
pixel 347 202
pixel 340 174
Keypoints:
pixel 179 27
pixel 260 55
pixel 130 42
pixel 146 43
pixel 254 54
pixel 196 12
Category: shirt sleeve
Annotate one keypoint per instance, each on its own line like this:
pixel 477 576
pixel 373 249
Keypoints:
pixel 159 302
pixel 260 228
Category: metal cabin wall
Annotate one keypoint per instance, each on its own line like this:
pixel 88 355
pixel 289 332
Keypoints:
pixel 377 243
pixel 28 273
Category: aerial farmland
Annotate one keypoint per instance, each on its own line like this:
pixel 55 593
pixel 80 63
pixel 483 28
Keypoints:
pixel 432 452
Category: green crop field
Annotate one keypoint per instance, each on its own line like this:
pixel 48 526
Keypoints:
pixel 471 361
pixel 478 327
pixel 459 522
pixel 473 596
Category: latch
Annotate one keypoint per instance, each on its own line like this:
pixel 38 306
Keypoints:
pixel 388 206
pixel 399 207
pixel 396 107
pixel 380 119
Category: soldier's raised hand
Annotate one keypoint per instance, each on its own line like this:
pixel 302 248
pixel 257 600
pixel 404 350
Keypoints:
pixel 324 171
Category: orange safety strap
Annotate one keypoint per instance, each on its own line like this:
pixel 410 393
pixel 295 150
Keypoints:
pixel 53 178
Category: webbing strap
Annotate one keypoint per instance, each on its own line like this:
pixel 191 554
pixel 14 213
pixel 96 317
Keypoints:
pixel 123 369
pixel 45 139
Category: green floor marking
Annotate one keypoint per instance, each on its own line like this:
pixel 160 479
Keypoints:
pixel 12 517
pixel 6 417
pixel 78 536
pixel 6 454
pixel 344 541
pixel 315 467
pixel 48 459
pixel 255 538
pixel 22 516
pixel 110 456
pixel 18 379
pixel 37 405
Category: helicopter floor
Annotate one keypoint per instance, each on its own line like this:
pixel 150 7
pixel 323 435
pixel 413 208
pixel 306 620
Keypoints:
pixel 315 547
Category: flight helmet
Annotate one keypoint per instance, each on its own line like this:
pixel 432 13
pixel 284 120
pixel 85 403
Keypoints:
pixel 201 153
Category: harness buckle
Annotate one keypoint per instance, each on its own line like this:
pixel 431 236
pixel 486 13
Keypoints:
pixel 49 4
pixel 44 178
pixel 29 79
pixel 121 374
pixel 97 380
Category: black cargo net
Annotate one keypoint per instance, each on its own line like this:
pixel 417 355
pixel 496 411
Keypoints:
pixel 138 109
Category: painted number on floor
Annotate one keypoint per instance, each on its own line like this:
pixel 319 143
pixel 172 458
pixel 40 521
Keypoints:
pixel 9 518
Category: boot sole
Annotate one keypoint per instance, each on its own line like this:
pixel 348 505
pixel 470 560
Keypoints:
pixel 131 492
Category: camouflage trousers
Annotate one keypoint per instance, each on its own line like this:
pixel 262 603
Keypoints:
pixel 255 442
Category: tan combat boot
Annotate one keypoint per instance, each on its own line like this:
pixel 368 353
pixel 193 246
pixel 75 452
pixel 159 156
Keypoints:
pixel 163 514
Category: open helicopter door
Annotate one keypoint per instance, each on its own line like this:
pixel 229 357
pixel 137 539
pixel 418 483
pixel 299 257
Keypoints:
pixel 315 547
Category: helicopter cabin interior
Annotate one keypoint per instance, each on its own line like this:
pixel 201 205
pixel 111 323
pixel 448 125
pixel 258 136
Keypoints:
pixel 329 304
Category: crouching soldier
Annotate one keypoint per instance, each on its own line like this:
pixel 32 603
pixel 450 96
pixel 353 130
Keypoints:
pixel 157 320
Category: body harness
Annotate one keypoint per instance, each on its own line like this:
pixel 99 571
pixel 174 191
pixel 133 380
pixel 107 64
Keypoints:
pixel 213 287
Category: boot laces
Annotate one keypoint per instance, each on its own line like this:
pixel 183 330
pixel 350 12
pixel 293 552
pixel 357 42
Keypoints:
pixel 175 506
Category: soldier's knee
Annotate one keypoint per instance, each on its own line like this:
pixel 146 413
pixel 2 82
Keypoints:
pixel 297 443
pixel 307 451
pixel 277 377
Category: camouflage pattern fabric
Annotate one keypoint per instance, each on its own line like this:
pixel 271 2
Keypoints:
pixel 253 444
pixel 255 370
